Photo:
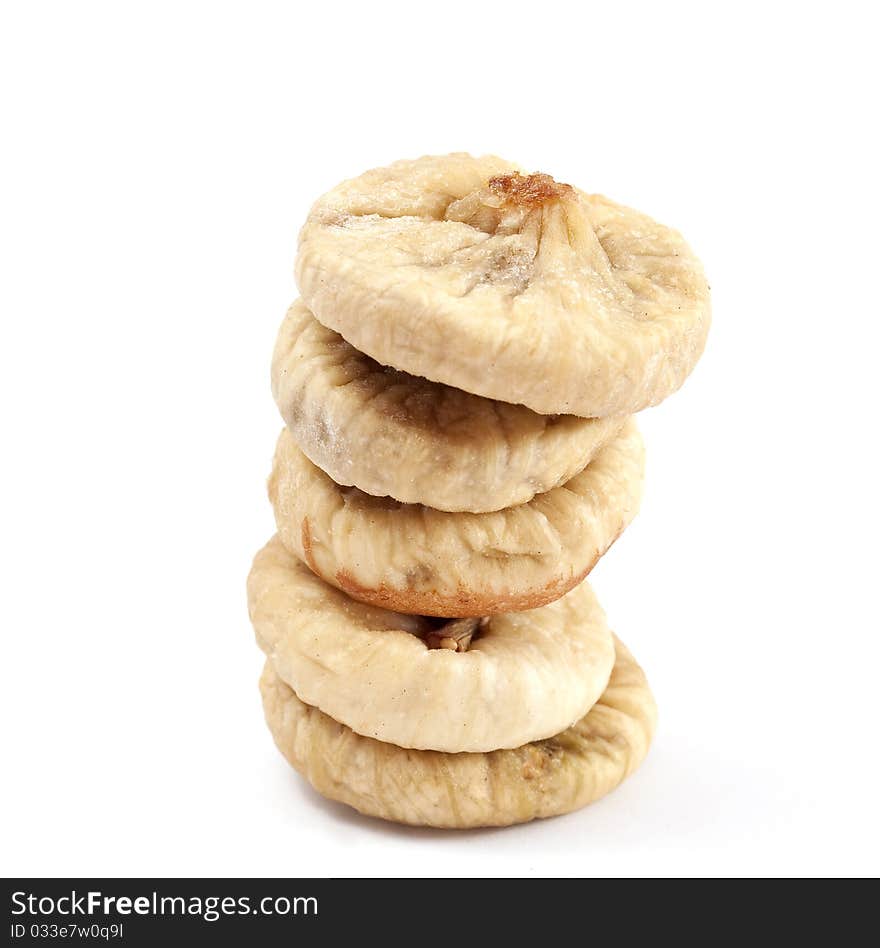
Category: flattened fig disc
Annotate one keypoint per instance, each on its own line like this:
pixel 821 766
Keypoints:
pixel 402 678
pixel 410 558
pixel 391 434
pixel 427 788
pixel 511 286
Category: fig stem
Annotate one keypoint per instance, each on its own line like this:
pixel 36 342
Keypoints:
pixel 529 190
pixel 455 635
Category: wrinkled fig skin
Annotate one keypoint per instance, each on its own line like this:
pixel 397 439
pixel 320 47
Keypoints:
pixel 396 435
pixel 410 558
pixel 425 788
pixel 520 677
pixel 509 286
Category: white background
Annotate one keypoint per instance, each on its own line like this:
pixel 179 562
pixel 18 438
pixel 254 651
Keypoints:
pixel 158 160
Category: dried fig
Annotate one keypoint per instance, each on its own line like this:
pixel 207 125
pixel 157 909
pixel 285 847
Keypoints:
pixel 427 788
pixel 466 685
pixel 508 285
pixel 398 435
pixel 411 558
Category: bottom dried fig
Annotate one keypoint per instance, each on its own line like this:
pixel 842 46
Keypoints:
pixel 430 788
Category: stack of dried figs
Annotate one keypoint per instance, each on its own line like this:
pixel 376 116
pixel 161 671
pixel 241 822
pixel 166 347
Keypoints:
pixel 457 385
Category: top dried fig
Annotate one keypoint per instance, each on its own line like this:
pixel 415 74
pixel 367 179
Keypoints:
pixel 508 285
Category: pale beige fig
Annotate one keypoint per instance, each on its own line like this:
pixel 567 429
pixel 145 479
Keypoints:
pixel 398 435
pixel 464 685
pixel 509 285
pixel 411 558
pixel 427 788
